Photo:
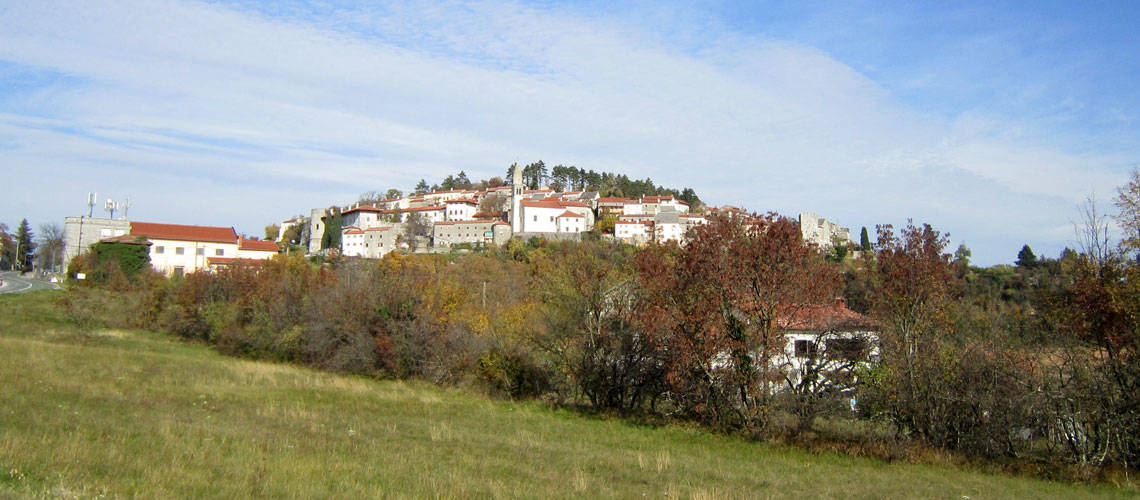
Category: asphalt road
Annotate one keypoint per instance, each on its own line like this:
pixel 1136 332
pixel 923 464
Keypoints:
pixel 14 283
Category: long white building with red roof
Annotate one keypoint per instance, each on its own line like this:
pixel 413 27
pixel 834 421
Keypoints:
pixel 178 249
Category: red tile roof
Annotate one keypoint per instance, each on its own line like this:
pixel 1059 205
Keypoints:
pixel 571 214
pixel 834 316
pixel 179 232
pixel 257 245
pixel 613 199
pixel 552 203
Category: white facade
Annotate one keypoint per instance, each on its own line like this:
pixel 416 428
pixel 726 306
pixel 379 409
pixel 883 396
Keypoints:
pixel 360 216
pixel 352 242
pixel 633 231
pixel 433 214
pixel 179 257
pixel 570 222
pixel 456 210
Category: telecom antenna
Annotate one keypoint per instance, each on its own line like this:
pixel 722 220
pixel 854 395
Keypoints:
pixel 109 207
pixel 126 206
pixel 92 198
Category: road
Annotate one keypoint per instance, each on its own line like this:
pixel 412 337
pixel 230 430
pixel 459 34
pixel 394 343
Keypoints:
pixel 14 283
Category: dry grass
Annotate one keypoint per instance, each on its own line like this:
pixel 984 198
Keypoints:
pixel 138 414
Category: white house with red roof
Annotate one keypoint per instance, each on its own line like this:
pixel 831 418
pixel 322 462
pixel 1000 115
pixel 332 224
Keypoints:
pixel 825 338
pixel 352 241
pixel 570 222
pixel 542 216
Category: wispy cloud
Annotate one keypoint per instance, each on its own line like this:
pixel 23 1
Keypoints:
pixel 243 115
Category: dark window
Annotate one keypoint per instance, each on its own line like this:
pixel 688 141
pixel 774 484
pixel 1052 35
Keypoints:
pixel 180 251
pixel 201 251
pixel 805 349
pixel 178 271
pixel 159 249
pixel 218 252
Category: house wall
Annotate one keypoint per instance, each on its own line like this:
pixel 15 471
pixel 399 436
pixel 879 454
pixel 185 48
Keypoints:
pixel 166 259
pixel 460 211
pixel 446 234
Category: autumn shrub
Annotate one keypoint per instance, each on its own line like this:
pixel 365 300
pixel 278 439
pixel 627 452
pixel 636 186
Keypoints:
pixel 511 373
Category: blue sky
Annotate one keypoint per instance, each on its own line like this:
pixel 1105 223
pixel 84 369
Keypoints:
pixel 990 121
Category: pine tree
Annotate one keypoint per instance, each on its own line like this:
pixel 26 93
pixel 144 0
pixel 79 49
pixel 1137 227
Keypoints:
pixel 421 187
pixel 1025 258
pixel 864 240
pixel 25 246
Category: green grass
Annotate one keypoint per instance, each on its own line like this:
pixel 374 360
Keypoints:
pixel 125 413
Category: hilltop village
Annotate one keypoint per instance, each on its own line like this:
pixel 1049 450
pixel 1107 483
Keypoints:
pixel 431 221
pixel 440 221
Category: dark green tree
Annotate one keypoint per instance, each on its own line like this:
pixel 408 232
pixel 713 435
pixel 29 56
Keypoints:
pixel 864 240
pixel 25 246
pixel 461 181
pixel 421 187
pixel 962 255
pixel 1025 258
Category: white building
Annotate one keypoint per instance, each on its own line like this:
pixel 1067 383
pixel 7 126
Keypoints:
pixel 541 216
pixel 178 249
pixel 637 232
pixel 824 338
pixel 361 216
pixel 570 222
pixel 460 209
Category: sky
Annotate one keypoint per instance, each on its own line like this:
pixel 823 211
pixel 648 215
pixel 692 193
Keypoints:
pixel 991 121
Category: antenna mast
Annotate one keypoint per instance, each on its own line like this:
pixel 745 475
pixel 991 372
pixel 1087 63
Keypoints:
pixel 92 198
pixel 109 207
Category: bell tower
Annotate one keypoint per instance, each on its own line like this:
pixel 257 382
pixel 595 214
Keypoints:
pixel 516 198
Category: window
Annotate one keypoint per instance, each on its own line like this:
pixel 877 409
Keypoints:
pixel 159 249
pixel 805 349
pixel 180 251
pixel 218 252
pixel 201 251
pixel 104 233
pixel 536 218
pixel 178 271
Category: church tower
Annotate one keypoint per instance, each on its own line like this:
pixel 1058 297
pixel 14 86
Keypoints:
pixel 516 199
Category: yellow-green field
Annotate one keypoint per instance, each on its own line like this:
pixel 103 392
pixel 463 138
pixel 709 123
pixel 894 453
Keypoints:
pixel 124 413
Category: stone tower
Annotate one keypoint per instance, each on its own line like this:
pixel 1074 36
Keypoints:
pixel 516 199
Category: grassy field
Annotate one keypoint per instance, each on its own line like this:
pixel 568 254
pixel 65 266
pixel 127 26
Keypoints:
pixel 125 413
